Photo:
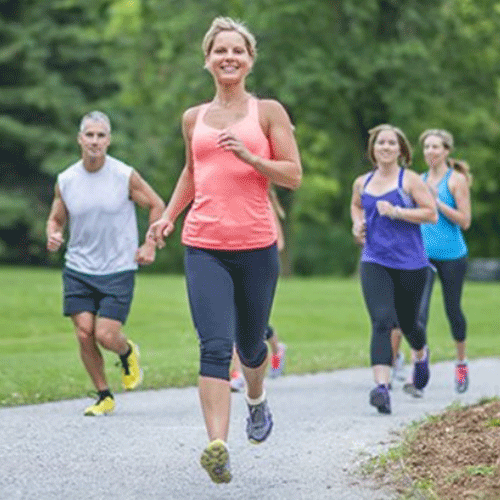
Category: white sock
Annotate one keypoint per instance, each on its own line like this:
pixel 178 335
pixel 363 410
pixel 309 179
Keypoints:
pixel 424 357
pixel 219 439
pixel 257 401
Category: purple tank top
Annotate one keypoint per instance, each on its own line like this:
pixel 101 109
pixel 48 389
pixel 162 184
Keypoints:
pixel 389 242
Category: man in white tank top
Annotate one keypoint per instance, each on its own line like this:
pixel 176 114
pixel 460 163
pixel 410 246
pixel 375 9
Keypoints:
pixel 96 197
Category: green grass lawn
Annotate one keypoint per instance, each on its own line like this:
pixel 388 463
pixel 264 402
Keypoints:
pixel 323 322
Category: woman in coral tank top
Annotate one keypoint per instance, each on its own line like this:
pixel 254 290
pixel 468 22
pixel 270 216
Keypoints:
pixel 236 146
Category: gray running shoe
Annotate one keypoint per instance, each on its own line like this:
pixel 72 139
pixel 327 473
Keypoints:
pixel 398 367
pixel 410 389
pixel 259 422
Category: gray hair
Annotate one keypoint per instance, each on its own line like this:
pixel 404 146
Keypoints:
pixel 96 116
pixel 227 24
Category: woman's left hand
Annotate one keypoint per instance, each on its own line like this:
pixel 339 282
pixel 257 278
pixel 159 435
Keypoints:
pixel 230 142
pixel 385 208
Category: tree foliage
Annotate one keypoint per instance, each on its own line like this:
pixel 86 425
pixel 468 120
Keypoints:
pixel 51 71
pixel 339 67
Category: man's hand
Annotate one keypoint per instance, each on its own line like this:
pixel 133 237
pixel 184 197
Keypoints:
pixel 146 253
pixel 54 241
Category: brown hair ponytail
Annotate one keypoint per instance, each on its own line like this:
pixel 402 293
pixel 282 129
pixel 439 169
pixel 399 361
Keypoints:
pixel 462 167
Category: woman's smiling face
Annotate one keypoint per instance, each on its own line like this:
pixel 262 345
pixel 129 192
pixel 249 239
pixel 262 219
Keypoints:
pixel 435 152
pixel 386 147
pixel 229 59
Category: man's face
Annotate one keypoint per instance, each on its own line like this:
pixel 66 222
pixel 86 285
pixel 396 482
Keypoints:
pixel 94 140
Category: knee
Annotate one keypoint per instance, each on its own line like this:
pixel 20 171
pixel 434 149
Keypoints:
pixel 105 336
pixel 216 350
pixel 84 335
pixel 253 356
pixel 383 324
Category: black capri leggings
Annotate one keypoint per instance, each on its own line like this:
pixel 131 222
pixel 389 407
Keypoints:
pixel 393 297
pixel 230 296
pixel 452 275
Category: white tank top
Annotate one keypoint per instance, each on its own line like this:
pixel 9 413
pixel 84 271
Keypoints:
pixel 103 235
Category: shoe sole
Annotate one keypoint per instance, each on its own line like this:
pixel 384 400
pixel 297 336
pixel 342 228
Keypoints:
pixel 213 459
pixel 379 402
pixel 141 374
pixel 102 414
pixel 413 391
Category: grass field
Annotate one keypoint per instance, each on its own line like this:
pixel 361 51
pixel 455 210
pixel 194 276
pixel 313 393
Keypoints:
pixel 323 322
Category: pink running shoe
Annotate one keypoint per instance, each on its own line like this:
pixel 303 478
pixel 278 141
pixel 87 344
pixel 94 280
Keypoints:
pixel 278 362
pixel 461 377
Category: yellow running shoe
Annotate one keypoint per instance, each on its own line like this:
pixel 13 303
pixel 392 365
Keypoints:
pixel 215 460
pixel 104 406
pixel 131 371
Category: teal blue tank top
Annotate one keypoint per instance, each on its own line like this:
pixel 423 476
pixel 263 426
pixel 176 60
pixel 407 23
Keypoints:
pixel 444 240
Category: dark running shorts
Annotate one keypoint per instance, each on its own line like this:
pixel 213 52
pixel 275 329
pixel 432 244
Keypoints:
pixel 107 296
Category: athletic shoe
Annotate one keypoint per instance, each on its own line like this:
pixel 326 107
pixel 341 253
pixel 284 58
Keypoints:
pixel 379 397
pixel 410 389
pixel 259 422
pixel 103 406
pixel 421 372
pixel 215 460
pixel 461 377
pixel 237 382
pixel 131 371
pixel 398 367
pixel 278 362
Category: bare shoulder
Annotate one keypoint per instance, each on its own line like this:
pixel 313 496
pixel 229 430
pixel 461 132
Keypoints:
pixel 189 116
pixel 411 178
pixel 189 120
pixel 458 179
pixel 358 183
pixel 271 108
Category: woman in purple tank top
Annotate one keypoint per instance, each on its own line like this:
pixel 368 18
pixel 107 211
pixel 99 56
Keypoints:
pixel 388 205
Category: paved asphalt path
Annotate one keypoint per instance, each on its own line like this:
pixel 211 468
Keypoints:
pixel 149 448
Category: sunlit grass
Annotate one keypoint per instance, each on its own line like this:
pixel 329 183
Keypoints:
pixel 323 322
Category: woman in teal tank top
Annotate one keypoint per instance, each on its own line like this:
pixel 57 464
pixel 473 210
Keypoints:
pixel 449 181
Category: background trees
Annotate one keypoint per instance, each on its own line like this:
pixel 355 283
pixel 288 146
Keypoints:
pixel 340 67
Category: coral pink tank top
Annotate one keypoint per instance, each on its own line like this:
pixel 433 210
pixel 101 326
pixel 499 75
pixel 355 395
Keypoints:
pixel 231 209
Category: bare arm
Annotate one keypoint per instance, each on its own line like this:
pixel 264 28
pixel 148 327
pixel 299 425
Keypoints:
pixel 357 212
pixel 183 193
pixel 425 212
pixel 144 195
pixel 459 188
pixel 284 168
pixel 56 222
pixel 280 242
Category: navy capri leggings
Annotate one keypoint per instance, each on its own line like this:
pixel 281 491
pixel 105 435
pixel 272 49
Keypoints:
pixel 393 297
pixel 230 296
